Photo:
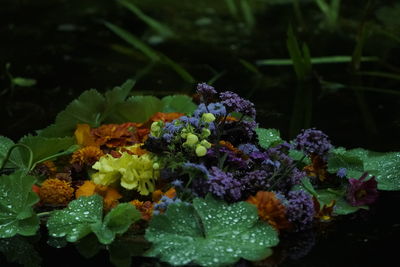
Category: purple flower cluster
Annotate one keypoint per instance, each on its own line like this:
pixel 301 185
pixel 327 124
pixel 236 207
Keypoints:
pixel 300 209
pixel 238 104
pixel 206 91
pixel 217 109
pixel 164 203
pixel 224 185
pixel 312 141
pixel 232 159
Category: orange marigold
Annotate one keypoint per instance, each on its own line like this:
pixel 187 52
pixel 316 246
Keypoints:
pixel 229 146
pixel 110 195
pixel 56 192
pixel 145 208
pixel 87 155
pixel 115 135
pixel 270 209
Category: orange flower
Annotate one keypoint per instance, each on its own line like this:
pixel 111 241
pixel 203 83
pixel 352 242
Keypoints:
pixel 229 146
pixel 165 117
pixel 270 209
pixel 157 195
pixel 87 155
pixel 84 136
pixel 317 168
pixel 56 192
pixel 145 208
pixel 324 213
pixel 115 135
pixel 110 195
pixel 135 150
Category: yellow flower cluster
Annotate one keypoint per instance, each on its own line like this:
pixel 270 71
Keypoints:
pixel 133 171
pixel 56 192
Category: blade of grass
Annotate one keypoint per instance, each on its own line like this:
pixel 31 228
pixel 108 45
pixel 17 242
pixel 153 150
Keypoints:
pixel 152 23
pixel 379 74
pixel 314 60
pixel 250 67
pixel 295 54
pixel 247 14
pixel 232 8
pixel 134 41
pixel 150 52
pixel 216 77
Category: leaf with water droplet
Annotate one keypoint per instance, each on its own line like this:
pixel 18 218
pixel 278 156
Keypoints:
pixel 85 215
pixel 268 137
pixel 16 202
pixel 199 234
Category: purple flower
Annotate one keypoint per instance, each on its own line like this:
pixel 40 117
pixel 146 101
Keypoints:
pixel 248 148
pixel 198 167
pixel 224 185
pixel 232 158
pixel 206 91
pixel 362 192
pixel 312 141
pixel 300 209
pixel 235 103
pixel 341 172
pixel 217 109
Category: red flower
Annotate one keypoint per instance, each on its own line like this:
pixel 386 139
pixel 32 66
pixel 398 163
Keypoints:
pixel 362 192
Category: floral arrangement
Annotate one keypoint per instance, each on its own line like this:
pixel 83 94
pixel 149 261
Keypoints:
pixel 186 183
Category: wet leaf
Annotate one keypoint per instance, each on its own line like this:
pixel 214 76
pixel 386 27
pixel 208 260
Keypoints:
pixel 268 137
pixel 136 109
pixel 385 166
pixel 16 201
pixel 85 215
pixel 342 207
pixel 210 233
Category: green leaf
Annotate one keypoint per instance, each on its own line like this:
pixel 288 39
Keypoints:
pixel 116 96
pixel 178 103
pixel 88 246
pixel 45 148
pixel 122 250
pixel 385 166
pixel 86 109
pixel 15 160
pixel 313 60
pixel 186 234
pixel 19 250
pixel 137 109
pixel 117 221
pixel 85 215
pixel 16 201
pixel 268 137
pixel 352 160
pixel 342 207
pixel 24 82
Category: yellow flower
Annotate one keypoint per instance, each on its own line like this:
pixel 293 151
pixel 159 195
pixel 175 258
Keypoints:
pixel 56 192
pixel 133 171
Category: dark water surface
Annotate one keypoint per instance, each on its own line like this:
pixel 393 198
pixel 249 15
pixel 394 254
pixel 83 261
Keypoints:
pixel 64 46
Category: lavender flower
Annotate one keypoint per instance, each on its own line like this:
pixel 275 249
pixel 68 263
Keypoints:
pixel 234 102
pixel 300 209
pixel 163 204
pixel 224 185
pixel 206 91
pixel 248 148
pixel 217 109
pixel 312 141
pixel 362 192
pixel 193 166
pixel 341 172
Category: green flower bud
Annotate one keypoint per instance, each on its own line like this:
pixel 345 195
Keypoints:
pixel 201 151
pixel 191 139
pixel 155 128
pixel 205 143
pixel 156 166
pixel 205 133
pixel 208 117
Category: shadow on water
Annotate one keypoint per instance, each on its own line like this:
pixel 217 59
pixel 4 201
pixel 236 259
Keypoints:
pixel 66 48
